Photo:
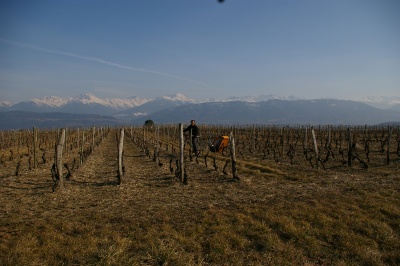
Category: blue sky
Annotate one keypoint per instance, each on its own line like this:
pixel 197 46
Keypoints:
pixel 345 49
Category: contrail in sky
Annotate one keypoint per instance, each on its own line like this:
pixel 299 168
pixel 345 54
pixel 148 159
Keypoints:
pixel 97 60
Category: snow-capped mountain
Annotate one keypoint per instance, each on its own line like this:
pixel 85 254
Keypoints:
pixel 264 109
pixel 51 101
pixel 115 103
pixel 134 107
pixel 5 104
pixel 382 102
pixel 179 97
pixel 89 98
pixel 84 103
pixel 156 105
pixel 88 103
pixel 262 98
pixel 276 112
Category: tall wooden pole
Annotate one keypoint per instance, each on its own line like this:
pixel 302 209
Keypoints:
pixel 82 144
pixel 305 139
pixel 59 164
pixel 181 159
pixel 254 140
pixel 120 154
pixel 329 136
pixel 157 141
pixel 390 129
pixel 93 134
pixel 167 137
pixel 315 147
pixel 35 137
pixel 233 156
pixel 349 147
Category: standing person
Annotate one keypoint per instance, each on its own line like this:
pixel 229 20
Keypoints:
pixel 195 133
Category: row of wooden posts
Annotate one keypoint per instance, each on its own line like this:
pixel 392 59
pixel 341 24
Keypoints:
pixel 120 171
pixel 59 137
pixel 181 160
pixel 57 169
pixel 350 154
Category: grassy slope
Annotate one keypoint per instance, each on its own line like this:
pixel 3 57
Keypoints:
pixel 276 214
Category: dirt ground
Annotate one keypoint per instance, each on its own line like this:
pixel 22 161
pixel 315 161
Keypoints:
pixel 150 195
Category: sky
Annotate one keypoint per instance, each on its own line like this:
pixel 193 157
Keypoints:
pixel 342 49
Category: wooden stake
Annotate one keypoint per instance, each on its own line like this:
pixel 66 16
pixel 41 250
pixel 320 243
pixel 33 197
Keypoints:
pixel 181 160
pixel 315 147
pixel 233 156
pixel 120 153
pixel 35 137
pixel 349 147
pixel 59 164
pixel 390 129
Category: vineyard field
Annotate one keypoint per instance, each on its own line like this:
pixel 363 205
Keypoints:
pixel 122 196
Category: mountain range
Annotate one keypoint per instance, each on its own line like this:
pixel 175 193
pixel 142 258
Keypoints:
pixel 265 109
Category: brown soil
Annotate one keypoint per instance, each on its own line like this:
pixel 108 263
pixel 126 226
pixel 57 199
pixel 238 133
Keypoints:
pixel 181 222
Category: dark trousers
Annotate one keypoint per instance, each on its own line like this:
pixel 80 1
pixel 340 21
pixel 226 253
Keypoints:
pixel 194 144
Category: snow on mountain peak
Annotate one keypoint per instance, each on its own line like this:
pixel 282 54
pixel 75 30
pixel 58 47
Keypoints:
pixel 116 103
pixel 122 104
pixel 383 102
pixel 178 97
pixel 53 101
pixel 5 104
pixel 260 98
pixel 88 98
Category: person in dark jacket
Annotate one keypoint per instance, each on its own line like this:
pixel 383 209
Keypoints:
pixel 194 130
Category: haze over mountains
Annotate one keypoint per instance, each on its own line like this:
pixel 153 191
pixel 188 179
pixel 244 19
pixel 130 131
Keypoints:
pixel 265 109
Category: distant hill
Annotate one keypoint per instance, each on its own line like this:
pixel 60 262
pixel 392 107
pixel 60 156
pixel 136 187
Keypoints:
pixel 135 106
pixel 23 120
pixel 84 104
pixel 322 111
pixel 382 102
pixel 396 107
pixel 265 109
pixel 155 105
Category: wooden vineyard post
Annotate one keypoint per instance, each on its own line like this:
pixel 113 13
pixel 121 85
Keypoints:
pixel 388 145
pixel 2 145
pixel 35 137
pixel 144 136
pixel 305 139
pixel 254 140
pixel 233 156
pixel 181 161
pixel 157 141
pixel 120 154
pixel 167 138
pixel 66 143
pixel 82 144
pixel 57 137
pixel 59 163
pixel 77 144
pixel 315 147
pixel 93 133
pixel 328 143
pixel 349 152
pixel 283 141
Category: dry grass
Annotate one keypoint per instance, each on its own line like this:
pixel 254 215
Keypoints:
pixel 275 215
